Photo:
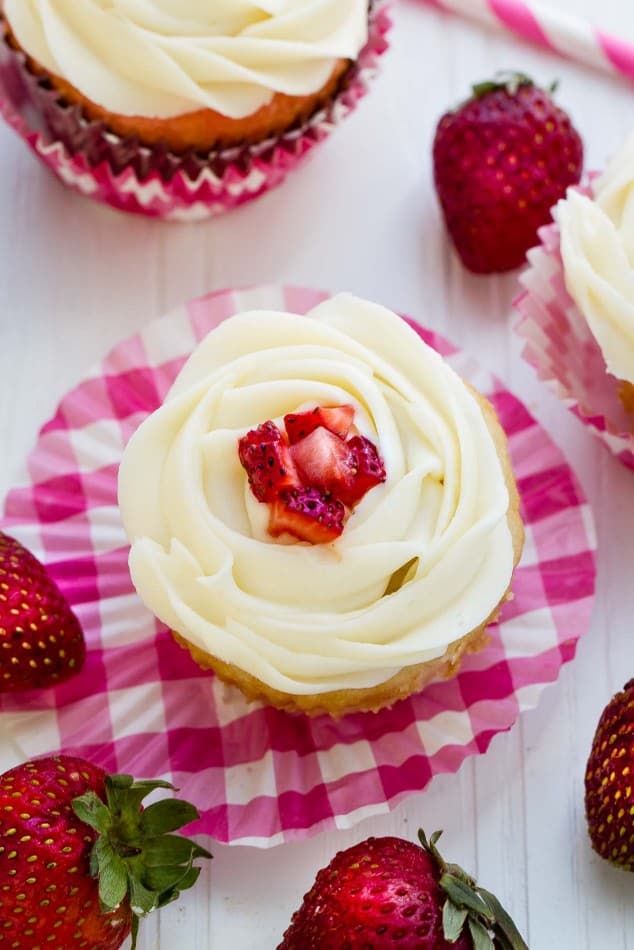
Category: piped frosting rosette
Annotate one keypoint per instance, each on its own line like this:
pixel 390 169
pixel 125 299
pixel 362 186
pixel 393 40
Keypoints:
pixel 597 246
pixel 424 559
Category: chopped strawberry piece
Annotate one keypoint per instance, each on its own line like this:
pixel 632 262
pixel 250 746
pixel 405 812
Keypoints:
pixel 370 470
pixel 308 515
pixel 337 420
pixel 325 461
pixel 266 458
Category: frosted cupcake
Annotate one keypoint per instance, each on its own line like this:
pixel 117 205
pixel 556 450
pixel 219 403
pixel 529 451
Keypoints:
pixel 322 511
pixel 578 308
pixel 158 86
pixel 597 247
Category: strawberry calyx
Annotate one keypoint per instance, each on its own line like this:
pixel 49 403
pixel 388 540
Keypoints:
pixel 135 857
pixel 489 925
pixel 507 80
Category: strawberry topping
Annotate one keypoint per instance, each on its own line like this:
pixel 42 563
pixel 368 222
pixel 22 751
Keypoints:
pixel 310 482
pixel 369 470
pixel 266 458
pixel 337 420
pixel 308 515
pixel 325 461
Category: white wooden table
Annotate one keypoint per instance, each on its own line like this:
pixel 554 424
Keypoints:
pixel 362 216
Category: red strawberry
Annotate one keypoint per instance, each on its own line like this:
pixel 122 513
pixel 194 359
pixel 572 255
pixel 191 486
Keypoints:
pixel 325 461
pixel 369 470
pixel 337 420
pixel 77 852
pixel 266 458
pixel 391 894
pixel 501 162
pixel 41 642
pixel 610 782
pixel 307 515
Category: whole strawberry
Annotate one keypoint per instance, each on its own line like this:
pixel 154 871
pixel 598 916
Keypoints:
pixel 502 160
pixel 77 853
pixel 391 894
pixel 610 782
pixel 41 642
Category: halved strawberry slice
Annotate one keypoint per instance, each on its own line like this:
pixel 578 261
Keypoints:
pixel 369 470
pixel 308 515
pixel 266 458
pixel 338 420
pixel 325 461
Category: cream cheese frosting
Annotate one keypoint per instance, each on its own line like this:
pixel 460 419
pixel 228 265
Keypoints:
pixel 303 618
pixel 597 245
pixel 165 58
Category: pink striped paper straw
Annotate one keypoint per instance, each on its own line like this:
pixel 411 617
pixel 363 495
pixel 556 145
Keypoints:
pixel 554 30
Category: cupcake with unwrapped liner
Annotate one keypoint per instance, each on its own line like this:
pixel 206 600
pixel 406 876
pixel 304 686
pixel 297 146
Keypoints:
pixel 578 304
pixel 190 112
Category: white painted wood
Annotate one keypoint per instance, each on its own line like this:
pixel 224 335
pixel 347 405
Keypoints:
pixel 75 278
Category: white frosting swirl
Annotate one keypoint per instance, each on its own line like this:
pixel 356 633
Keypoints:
pixel 164 58
pixel 597 245
pixel 308 619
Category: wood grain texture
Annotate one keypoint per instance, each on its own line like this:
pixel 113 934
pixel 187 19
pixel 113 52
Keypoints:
pixel 75 278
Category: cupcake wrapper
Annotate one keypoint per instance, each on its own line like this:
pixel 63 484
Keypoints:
pixel 154 182
pixel 561 347
pixel 258 775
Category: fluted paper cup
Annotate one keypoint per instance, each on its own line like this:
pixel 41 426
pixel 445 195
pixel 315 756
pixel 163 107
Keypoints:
pixel 154 182
pixel 260 776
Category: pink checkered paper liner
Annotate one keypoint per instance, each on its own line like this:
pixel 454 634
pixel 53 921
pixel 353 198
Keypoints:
pixel 258 775
pixel 232 178
pixel 560 346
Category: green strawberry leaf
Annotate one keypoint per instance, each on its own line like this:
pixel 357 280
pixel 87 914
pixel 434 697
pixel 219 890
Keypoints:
pixel 503 921
pixel 142 900
pixel 112 873
pixel 127 781
pixel 430 847
pixel 90 809
pixel 462 895
pixel 119 781
pixel 456 871
pixel 480 936
pixel 481 89
pixel 453 919
pixel 171 849
pixel 166 878
pixel 167 815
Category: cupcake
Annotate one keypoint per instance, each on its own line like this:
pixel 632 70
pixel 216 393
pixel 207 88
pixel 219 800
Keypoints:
pixel 597 248
pixel 578 304
pixel 322 511
pixel 209 86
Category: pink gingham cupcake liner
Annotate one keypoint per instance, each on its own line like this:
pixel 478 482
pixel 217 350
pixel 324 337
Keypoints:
pixel 260 776
pixel 561 347
pixel 125 175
